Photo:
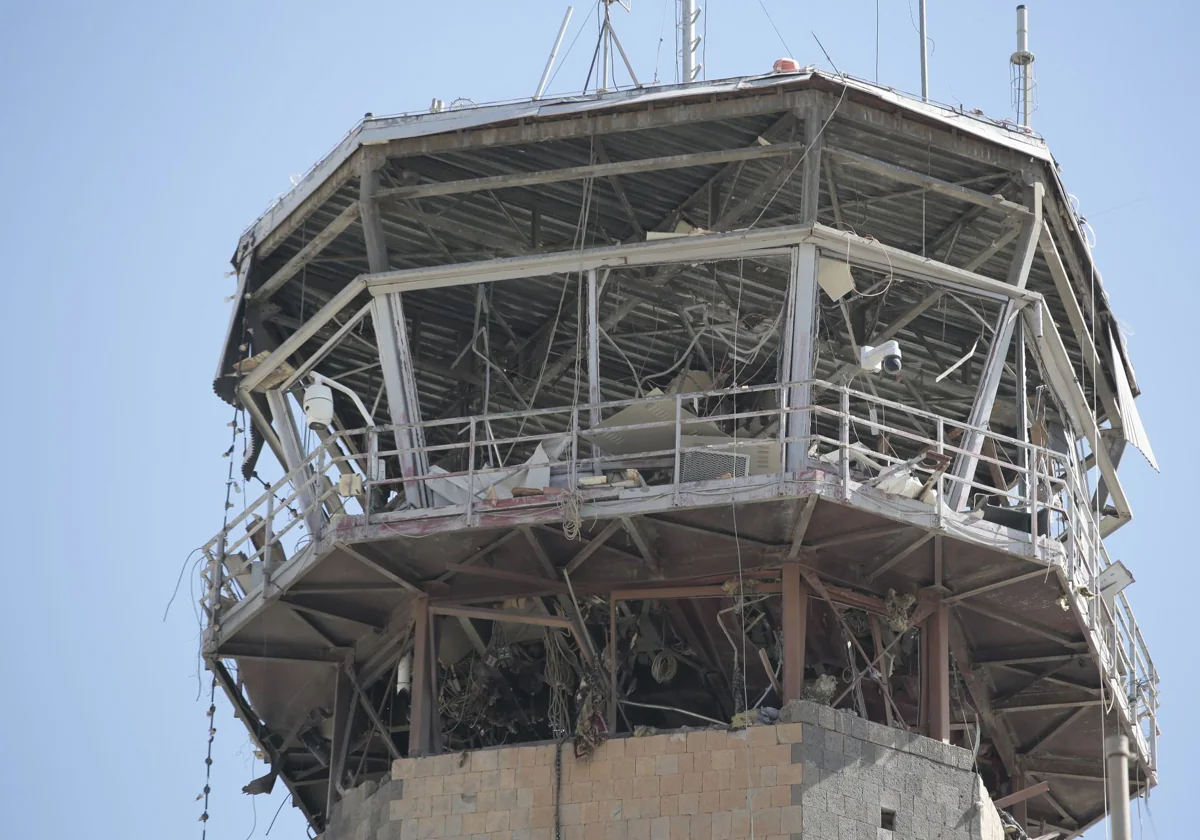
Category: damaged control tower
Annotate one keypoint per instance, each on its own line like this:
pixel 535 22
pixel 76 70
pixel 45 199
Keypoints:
pixel 712 459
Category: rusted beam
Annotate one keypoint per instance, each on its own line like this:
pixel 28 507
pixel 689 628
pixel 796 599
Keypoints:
pixel 889 562
pixel 540 583
pixel 594 544
pixel 538 551
pixel 379 568
pixel 664 593
pixel 982 699
pixel 643 546
pixel 796 593
pixel 377 721
pixel 861 535
pixel 935 643
pixel 979 590
pixel 1022 795
pixel 501 615
pixel 1054 731
pixel 800 528
pixel 481 553
pixel 1014 621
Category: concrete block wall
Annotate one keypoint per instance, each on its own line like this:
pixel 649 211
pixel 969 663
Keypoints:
pixel 824 776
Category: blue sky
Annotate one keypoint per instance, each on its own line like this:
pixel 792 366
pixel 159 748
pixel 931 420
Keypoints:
pixel 139 139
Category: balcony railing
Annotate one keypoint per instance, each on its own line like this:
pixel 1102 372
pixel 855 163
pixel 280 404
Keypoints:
pixel 661 448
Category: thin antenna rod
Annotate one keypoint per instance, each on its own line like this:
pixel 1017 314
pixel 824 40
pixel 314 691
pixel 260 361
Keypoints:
pixel 924 57
pixel 562 31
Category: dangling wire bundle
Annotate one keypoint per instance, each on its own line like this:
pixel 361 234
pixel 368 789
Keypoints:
pixel 570 506
pixel 559 679
pixel 590 726
pixel 738 590
pixel 664 667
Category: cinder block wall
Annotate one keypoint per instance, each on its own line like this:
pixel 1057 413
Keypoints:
pixel 824 776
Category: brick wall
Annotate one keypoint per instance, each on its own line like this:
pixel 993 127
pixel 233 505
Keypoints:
pixel 824 776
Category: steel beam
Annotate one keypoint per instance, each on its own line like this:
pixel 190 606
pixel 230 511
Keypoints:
pixel 421 713
pixel 289 438
pixel 936 185
pixel 989 381
pixel 306 254
pixel 981 697
pixel 391 336
pixel 343 720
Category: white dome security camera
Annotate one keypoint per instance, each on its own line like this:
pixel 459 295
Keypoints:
pixel 886 357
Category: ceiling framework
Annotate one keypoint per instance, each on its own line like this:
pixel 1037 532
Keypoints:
pixel 487 285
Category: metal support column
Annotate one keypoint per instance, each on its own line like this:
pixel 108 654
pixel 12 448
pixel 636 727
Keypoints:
pixel 989 380
pixel 343 717
pixel 935 649
pixel 293 452
pixel 593 356
pixel 795 626
pixel 421 712
pixel 800 334
pixel 391 335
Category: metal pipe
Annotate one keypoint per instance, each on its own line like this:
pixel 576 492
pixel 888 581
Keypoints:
pixel 1023 59
pixel 562 31
pixel 925 57
pixel 687 25
pixel 1116 759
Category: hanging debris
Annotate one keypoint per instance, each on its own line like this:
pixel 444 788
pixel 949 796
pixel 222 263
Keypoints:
pixel 897 608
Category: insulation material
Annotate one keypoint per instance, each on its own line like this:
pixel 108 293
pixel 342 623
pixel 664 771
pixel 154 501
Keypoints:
pixel 835 278
pixel 1131 421
pixel 455 490
pixel 620 441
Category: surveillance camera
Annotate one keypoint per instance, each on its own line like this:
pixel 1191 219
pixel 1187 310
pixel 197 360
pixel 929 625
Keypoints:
pixel 886 357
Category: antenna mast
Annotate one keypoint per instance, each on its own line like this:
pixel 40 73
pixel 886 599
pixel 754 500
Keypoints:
pixel 1022 70
pixel 925 56
pixel 690 41
pixel 604 52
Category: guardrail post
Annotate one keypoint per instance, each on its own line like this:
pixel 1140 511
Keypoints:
pixel 268 540
pixel 939 516
pixel 471 475
pixel 678 445
pixel 573 475
pixel 1034 487
pixel 845 443
pixel 373 469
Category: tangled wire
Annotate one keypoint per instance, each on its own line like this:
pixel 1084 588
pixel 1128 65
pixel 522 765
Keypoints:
pixel 559 676
pixel 570 505
pixel 590 726
pixel 742 593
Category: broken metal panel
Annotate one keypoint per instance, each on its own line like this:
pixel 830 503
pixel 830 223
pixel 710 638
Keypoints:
pixel 1131 419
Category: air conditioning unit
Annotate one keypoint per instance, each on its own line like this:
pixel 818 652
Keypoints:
pixel 709 464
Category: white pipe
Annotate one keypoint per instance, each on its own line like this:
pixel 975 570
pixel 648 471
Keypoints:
pixel 688 26
pixel 1022 29
pixel 924 57
pixel 404 674
pixel 362 409
pixel 562 31
pixel 1116 758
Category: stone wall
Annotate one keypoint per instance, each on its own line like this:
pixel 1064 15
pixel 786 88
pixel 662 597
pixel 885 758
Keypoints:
pixel 822 776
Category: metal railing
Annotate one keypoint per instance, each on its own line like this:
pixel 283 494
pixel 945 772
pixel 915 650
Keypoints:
pixel 860 443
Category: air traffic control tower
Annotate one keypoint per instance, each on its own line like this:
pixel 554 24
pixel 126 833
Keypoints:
pixel 698 460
